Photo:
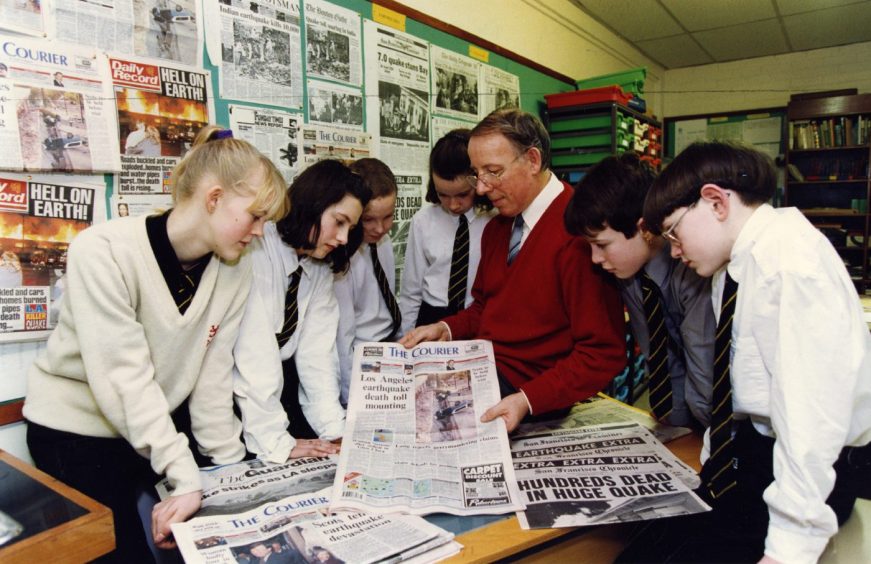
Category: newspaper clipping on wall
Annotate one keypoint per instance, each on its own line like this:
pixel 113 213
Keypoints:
pixel 411 190
pixel 136 204
pixel 260 54
pixel 455 82
pixel 39 217
pixel 55 108
pixel 163 29
pixel 332 43
pixel 397 91
pixel 319 143
pixel 275 133
pixel 499 89
pixel 23 16
pixel 413 440
pixel 160 111
pixel 333 105
pixel 601 474
pixel 231 489
pixel 298 529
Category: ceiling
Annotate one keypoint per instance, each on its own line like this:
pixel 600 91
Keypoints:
pixel 683 33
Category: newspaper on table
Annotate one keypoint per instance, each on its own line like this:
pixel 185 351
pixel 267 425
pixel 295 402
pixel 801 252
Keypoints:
pixel 300 527
pixel 236 488
pixel 260 59
pixel 332 43
pixel 413 438
pixel 56 108
pixel 39 217
pixel 610 473
pixel 163 29
pixel 23 16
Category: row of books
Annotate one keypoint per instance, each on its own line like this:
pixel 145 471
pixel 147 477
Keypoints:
pixel 843 131
pixel 833 168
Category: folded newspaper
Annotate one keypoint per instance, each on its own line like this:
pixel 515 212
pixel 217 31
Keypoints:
pixel 414 441
pixel 607 473
pixel 299 529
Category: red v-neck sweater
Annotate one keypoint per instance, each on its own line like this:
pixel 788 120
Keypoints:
pixel 556 324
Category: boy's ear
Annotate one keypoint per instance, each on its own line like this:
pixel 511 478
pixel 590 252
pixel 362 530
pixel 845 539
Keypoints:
pixel 213 196
pixel 719 197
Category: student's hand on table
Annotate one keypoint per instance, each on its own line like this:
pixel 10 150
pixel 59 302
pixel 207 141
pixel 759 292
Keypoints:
pixel 174 509
pixel 313 447
pixel 434 332
pixel 512 409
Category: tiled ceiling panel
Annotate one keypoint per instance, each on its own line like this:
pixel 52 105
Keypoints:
pixel 718 14
pixel 753 39
pixel 676 51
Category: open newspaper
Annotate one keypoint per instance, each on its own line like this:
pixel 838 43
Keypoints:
pixel 607 473
pixel 299 529
pixel 413 438
pixel 237 488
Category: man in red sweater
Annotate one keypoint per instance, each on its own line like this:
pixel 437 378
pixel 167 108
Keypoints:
pixel 556 324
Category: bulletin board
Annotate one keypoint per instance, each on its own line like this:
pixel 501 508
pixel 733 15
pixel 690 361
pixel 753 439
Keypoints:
pixel 764 129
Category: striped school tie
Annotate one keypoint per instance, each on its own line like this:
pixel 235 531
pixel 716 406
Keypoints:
pixel 516 237
pixel 384 286
pixel 659 383
pixel 459 267
pixel 291 310
pixel 721 463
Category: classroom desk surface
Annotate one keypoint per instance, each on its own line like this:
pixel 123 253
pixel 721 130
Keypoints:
pixel 504 538
pixel 59 523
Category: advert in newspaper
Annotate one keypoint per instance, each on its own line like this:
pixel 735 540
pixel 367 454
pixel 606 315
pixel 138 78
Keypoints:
pixel 414 442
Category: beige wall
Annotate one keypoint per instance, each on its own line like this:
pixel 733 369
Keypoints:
pixel 766 81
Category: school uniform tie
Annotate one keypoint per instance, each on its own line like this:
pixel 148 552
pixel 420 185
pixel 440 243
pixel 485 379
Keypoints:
pixel 659 383
pixel 516 236
pixel 291 309
pixel 459 267
pixel 384 286
pixel 722 476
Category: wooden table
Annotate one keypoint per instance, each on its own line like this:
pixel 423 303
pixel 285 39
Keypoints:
pixel 505 538
pixel 60 523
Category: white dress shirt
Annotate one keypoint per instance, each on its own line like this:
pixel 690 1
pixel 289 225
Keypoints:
pixel 539 205
pixel 428 256
pixel 313 346
pixel 364 315
pixel 801 369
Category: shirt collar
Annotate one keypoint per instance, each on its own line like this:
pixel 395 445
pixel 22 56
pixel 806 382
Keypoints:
pixel 539 205
pixel 756 224
pixel 659 265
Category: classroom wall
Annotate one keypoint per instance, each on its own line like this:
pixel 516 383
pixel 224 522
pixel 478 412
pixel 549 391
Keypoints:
pixel 553 33
pixel 764 82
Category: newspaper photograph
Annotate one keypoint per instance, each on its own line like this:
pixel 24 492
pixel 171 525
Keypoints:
pixel 39 217
pixel 260 52
pixel 455 80
pixel 319 143
pixel 236 488
pixel 499 89
pixel 397 94
pixel 55 108
pixel 602 474
pixel 275 133
pixel 411 189
pixel 332 43
pixel 414 442
pixel 334 105
pixel 160 110
pixel 135 205
pixel 23 16
pixel 164 29
pixel 298 529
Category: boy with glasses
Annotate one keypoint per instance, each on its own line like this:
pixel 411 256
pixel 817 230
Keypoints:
pixel 556 324
pixel 787 452
pixel 669 305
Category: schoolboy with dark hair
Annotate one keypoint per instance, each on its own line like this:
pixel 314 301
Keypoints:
pixel 788 447
pixel 366 291
pixel 669 305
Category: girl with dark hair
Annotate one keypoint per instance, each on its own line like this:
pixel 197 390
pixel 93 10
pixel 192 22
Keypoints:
pixel 293 295
pixel 434 284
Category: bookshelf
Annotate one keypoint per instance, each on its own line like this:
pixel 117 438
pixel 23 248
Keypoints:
pixel 830 146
